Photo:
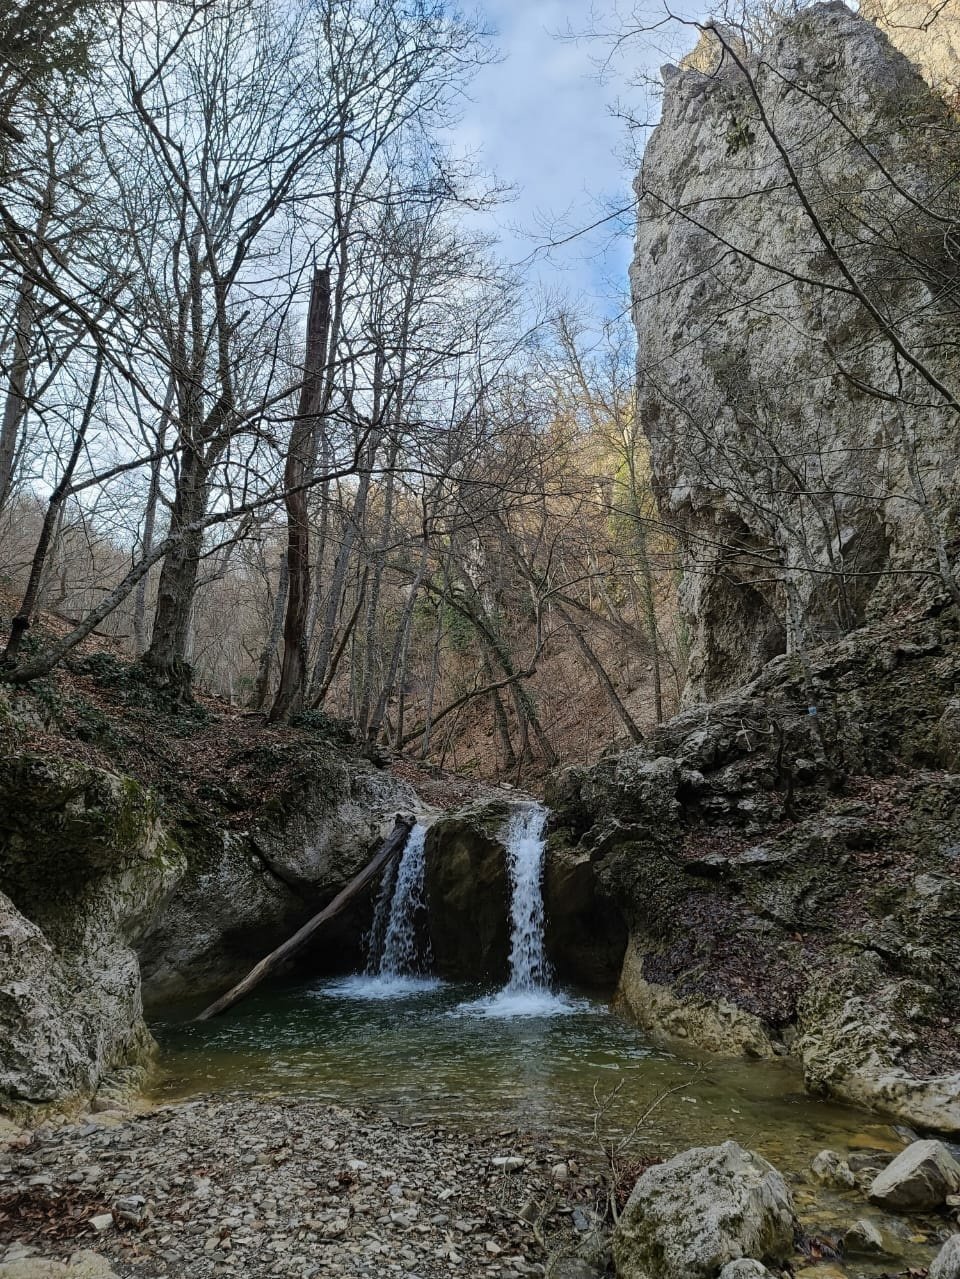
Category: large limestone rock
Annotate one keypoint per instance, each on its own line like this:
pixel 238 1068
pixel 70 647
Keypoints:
pixel 268 879
pixel 85 861
pixel 918 1180
pixel 715 1024
pixel 467 891
pixel 762 375
pixel 946 1264
pixel 928 32
pixel 688 1218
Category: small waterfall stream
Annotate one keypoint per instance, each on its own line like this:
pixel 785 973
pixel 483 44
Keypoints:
pixel 397 956
pixel 524 840
pixel 528 992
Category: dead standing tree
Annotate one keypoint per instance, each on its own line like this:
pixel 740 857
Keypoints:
pixel 300 458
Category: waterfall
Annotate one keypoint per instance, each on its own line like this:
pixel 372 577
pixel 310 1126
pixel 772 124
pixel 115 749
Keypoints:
pixel 523 837
pixel 395 961
pixel 381 919
pixel 528 990
pixel 399 956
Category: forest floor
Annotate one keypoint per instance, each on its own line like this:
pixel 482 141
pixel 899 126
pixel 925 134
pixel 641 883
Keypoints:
pixel 260 1188
pixel 102 711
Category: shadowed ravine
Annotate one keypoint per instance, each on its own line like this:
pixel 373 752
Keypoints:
pixel 526 1056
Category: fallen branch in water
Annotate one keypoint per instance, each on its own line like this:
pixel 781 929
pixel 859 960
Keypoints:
pixel 388 850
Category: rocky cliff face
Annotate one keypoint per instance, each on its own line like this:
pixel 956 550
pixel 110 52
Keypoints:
pixel 247 889
pixel 85 860
pixel 113 890
pixel 795 298
pixel 790 883
pixel 928 33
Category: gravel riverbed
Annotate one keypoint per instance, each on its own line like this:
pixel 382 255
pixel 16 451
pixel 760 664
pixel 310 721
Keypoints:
pixel 268 1187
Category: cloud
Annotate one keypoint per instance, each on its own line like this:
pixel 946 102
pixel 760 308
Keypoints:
pixel 541 121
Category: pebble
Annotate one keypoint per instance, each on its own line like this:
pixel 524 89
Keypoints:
pixel 272 1188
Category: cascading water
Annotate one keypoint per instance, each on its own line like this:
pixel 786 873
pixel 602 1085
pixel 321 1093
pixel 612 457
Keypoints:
pixel 528 991
pixel 395 959
pixel 523 837
pixel 400 957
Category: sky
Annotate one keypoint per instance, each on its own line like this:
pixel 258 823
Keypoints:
pixel 541 119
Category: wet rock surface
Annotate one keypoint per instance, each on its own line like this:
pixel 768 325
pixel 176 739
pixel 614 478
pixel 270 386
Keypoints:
pixel 918 1180
pixel 789 882
pixel 946 1264
pixel 468 893
pixel 263 1188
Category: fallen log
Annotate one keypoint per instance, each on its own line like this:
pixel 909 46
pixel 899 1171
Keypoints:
pixel 389 849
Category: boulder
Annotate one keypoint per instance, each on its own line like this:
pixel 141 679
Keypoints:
pixel 830 1170
pixel 918 1180
pixel 946 1264
pixel 691 1216
pixel 745 1269
pixel 863 1239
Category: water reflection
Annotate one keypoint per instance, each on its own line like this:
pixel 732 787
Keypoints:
pixel 413 1047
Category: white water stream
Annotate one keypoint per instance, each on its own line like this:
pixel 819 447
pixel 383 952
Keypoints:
pixel 396 958
pixel 528 992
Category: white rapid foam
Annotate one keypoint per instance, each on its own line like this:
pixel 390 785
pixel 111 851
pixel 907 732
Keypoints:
pixel 528 992
pixel 375 987
pixel 400 957
pixel 394 965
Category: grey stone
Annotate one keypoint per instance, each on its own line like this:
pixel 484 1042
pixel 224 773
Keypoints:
pixel 744 1269
pixel 863 1239
pixel 946 1264
pixel 830 1170
pixel 691 1216
pixel 918 1180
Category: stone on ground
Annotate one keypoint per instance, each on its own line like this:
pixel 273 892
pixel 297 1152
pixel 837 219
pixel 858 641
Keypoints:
pixel 745 1269
pixel 691 1216
pixel 918 1180
pixel 946 1265
pixel 82 1265
pixel 830 1170
pixel 863 1239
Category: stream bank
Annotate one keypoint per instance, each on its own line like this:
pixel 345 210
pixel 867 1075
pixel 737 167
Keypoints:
pixel 273 1186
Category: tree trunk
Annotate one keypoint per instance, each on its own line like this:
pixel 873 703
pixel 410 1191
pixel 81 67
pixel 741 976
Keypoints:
pixel 298 469
pixel 265 664
pixel 166 656
pixel 15 405
pixel 335 598
pixel 51 518
pixel 607 684
pixel 149 523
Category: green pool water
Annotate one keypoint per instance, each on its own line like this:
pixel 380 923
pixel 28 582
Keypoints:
pixel 463 1057
pixel 431 1052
